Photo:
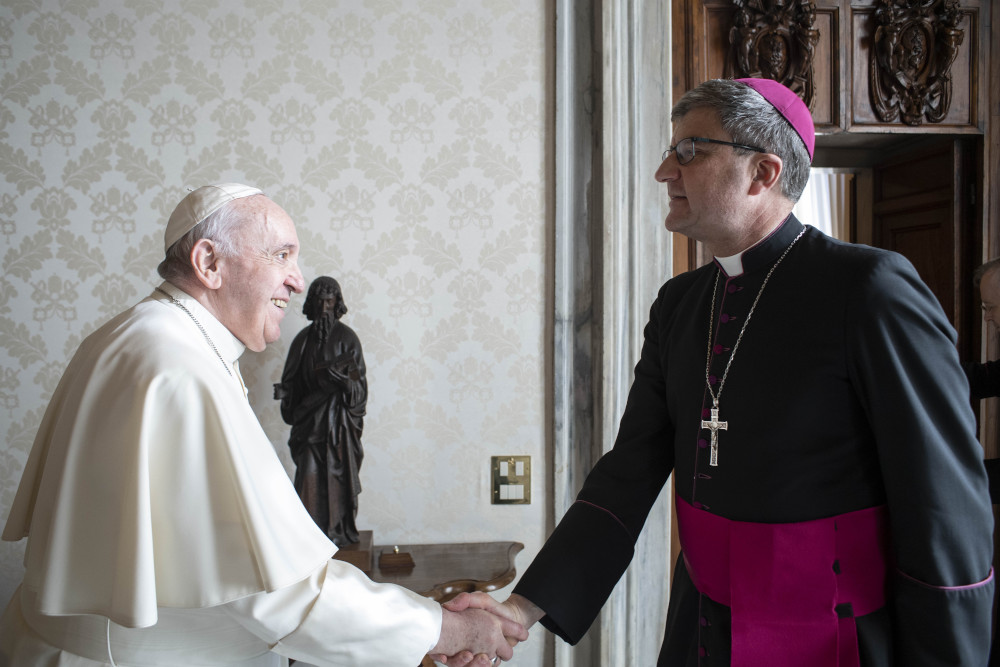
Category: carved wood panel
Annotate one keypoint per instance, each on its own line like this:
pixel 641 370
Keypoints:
pixel 774 39
pixel 874 96
pixel 703 31
pixel 707 36
pixel 913 49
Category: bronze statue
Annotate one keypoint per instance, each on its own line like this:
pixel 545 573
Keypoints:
pixel 323 393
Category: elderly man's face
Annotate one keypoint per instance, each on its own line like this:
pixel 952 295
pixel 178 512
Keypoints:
pixel 257 284
pixel 708 194
pixel 989 292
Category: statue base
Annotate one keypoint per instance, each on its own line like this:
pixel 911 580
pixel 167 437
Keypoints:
pixel 359 555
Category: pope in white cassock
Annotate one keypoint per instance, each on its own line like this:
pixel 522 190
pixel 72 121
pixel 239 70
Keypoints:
pixel 162 528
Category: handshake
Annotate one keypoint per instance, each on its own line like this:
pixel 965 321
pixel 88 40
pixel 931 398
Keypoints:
pixel 478 631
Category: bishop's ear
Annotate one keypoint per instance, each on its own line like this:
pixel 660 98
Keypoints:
pixel 766 171
pixel 205 263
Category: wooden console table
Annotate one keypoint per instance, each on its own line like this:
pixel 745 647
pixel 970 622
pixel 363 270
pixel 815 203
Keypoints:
pixel 442 571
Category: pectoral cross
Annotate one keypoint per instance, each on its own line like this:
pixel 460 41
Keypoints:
pixel 715 425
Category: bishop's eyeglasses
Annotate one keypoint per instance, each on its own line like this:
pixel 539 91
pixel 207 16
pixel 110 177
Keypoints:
pixel 685 148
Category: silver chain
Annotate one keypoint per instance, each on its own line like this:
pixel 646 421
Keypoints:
pixel 200 328
pixel 711 325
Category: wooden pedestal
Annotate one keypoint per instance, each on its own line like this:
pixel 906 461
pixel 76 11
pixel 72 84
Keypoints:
pixel 359 555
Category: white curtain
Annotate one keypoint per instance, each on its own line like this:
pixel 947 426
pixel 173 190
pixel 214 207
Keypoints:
pixel 826 202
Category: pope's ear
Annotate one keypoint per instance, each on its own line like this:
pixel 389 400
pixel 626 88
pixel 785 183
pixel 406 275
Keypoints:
pixel 205 263
pixel 766 172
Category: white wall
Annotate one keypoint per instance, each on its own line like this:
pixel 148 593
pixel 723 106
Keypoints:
pixel 409 142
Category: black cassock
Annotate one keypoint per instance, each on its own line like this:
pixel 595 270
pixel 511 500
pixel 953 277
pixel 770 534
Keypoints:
pixel 845 393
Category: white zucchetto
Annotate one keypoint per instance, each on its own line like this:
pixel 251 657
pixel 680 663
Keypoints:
pixel 201 203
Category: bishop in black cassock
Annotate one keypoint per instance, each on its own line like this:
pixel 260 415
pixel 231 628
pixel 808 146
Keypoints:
pixel 847 394
pixel 807 396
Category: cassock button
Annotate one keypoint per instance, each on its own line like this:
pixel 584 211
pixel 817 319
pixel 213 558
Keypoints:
pixel 724 317
pixel 712 380
pixel 732 288
pixel 703 443
pixel 697 505
pixel 706 413
pixel 718 349
pixel 704 622
pixel 702 652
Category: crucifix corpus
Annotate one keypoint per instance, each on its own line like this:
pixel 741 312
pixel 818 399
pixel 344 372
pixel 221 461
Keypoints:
pixel 715 425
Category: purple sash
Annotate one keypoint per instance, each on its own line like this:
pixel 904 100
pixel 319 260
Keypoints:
pixel 794 588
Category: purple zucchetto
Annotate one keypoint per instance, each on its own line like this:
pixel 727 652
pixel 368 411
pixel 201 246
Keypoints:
pixel 790 106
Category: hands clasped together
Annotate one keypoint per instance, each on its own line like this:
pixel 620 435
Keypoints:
pixel 476 629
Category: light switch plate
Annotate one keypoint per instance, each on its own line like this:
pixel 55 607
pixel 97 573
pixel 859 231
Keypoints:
pixel 511 480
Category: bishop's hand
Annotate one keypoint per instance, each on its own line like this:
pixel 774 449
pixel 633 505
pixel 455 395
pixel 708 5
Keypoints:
pixel 474 636
pixel 516 609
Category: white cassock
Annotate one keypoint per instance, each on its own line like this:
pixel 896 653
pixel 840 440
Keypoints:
pixel 163 529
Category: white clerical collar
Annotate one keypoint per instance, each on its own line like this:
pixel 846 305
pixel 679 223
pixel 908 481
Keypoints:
pixel 732 265
pixel 230 347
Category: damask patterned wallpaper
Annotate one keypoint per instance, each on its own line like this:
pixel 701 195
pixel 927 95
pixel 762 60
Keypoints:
pixel 408 142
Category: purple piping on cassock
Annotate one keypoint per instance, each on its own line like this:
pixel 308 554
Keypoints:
pixel 611 514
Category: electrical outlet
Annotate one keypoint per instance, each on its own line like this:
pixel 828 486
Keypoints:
pixel 511 477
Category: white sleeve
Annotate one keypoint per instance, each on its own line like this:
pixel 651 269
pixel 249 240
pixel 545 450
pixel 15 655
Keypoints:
pixel 338 616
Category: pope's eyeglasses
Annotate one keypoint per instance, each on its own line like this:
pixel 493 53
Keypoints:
pixel 685 148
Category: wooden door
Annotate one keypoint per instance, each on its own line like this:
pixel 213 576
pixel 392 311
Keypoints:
pixel 922 208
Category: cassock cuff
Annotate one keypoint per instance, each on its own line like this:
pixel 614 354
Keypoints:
pixel 577 568
pixel 942 625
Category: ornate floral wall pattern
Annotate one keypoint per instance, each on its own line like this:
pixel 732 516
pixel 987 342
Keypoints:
pixel 407 140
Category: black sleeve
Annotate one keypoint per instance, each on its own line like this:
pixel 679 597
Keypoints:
pixel 906 371
pixel 579 565
pixel 984 379
pixel 993 472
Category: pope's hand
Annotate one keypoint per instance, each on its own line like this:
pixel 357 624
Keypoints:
pixel 516 608
pixel 471 634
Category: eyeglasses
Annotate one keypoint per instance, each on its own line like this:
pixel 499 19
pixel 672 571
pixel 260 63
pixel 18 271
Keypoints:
pixel 685 148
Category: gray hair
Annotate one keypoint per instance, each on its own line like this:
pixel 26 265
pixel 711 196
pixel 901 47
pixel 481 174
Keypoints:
pixel 752 120
pixel 222 228
pixel 980 273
